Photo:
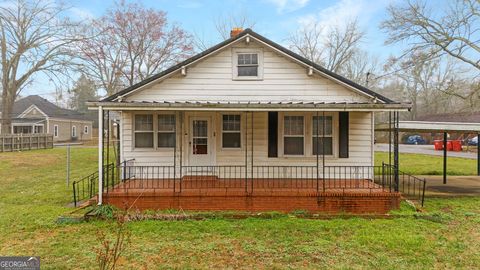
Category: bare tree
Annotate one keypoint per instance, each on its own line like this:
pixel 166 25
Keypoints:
pixel 34 37
pixel 131 43
pixel 333 47
pixel 309 43
pixel 426 82
pixel 454 32
pixel 362 68
pixel 223 25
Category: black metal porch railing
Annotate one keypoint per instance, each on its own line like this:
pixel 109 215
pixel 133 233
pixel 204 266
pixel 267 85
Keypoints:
pixel 127 175
pixel 87 187
pixel 410 186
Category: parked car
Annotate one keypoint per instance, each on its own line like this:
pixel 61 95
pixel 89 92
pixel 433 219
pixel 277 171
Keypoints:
pixel 473 141
pixel 415 139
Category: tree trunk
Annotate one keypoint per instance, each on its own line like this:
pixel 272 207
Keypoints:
pixel 7 108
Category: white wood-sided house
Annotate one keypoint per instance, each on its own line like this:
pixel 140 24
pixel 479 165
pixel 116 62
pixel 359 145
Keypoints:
pixel 244 117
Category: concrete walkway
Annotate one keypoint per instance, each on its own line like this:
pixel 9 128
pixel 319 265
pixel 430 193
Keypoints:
pixel 424 149
pixel 456 186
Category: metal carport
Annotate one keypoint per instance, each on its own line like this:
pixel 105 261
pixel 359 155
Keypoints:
pixel 434 127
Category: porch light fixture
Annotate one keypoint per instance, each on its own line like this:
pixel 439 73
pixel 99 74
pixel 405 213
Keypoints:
pixel 184 71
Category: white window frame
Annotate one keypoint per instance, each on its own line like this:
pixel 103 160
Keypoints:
pixel 334 135
pixel 232 131
pixel 55 131
pixel 308 134
pixel 282 132
pixel 85 129
pixel 144 131
pixel 74 131
pixel 157 130
pixel 236 52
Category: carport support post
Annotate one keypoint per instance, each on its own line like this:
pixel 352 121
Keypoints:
pixel 478 154
pixel 100 154
pixel 444 157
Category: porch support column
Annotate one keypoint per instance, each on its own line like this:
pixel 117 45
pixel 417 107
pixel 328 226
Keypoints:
pixel 395 150
pixel 251 153
pixel 108 138
pixel 317 150
pixel 389 138
pixel 246 152
pixel 175 153
pixel 445 135
pixel 100 154
pixel 323 149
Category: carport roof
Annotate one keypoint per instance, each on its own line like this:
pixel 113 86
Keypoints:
pixel 427 126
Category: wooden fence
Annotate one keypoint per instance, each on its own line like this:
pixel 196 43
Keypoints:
pixel 22 142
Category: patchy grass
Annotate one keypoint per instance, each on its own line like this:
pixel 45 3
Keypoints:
pixel 34 194
pixel 418 164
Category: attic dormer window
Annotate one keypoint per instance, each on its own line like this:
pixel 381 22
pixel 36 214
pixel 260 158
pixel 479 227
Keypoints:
pixel 247 64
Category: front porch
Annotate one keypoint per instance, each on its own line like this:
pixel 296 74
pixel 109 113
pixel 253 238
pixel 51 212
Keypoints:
pixel 263 157
pixel 332 189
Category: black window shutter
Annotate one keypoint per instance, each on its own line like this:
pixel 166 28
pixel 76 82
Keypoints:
pixel 272 134
pixel 343 136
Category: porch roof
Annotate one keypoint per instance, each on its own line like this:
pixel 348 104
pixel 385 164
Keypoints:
pixel 249 106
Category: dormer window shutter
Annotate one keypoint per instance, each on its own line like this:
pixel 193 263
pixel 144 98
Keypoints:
pixel 343 123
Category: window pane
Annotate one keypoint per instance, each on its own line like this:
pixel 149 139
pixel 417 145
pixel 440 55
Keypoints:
pixel 144 140
pixel 200 146
pixel 254 59
pixel 293 146
pixel 231 122
pixel 200 128
pixel 328 145
pixel 144 122
pixel 166 139
pixel 231 140
pixel 166 122
pixel 248 71
pixel 293 125
pixel 241 59
pixel 328 125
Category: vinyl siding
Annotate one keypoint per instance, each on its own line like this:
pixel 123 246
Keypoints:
pixel 360 142
pixel 211 80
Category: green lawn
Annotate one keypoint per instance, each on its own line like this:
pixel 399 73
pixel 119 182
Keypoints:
pixel 33 194
pixel 418 164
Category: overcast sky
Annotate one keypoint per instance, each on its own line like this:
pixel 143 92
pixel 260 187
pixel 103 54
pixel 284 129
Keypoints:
pixel 275 19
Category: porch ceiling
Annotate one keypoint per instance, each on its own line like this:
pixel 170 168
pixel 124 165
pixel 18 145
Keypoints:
pixel 251 106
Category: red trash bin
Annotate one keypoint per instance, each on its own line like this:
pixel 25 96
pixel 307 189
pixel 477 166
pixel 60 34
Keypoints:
pixel 449 145
pixel 438 144
pixel 457 145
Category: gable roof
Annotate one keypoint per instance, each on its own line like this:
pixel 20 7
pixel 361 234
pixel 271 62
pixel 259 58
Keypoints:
pixel 45 106
pixel 261 38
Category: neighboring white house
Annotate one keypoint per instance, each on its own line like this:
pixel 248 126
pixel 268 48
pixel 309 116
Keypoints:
pixel 247 102
pixel 34 114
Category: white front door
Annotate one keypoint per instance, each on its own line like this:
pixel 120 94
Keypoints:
pixel 200 143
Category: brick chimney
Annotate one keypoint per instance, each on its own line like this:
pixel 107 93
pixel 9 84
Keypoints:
pixel 235 31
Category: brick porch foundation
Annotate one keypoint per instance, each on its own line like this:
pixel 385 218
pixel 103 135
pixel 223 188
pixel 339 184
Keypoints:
pixel 333 200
